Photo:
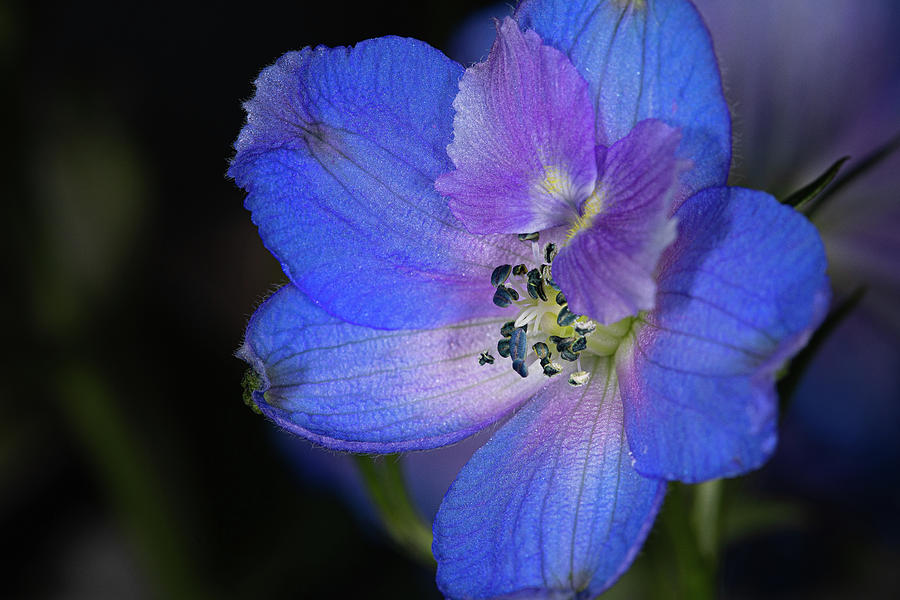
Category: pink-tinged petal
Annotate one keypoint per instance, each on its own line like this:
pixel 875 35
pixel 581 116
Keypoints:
pixel 740 292
pixel 355 388
pixel 607 270
pixel 523 138
pixel 551 506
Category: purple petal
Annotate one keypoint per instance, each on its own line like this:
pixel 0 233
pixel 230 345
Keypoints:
pixel 551 506
pixel 339 157
pixel 523 142
pixel 740 292
pixel 648 59
pixel 607 269
pixel 354 388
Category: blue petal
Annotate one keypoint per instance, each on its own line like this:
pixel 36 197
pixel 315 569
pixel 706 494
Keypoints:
pixel 350 387
pixel 645 59
pixel 607 270
pixel 739 293
pixel 339 157
pixel 550 506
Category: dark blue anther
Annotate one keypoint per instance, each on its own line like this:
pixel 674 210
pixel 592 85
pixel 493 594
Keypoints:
pixel 534 275
pixel 545 272
pixel 503 348
pixel 561 299
pixel 507 328
pixel 568 355
pixel 500 275
pixel 550 252
pixel 513 293
pixel 579 345
pixel 529 237
pixel 485 358
pixel 518 344
pixel 519 270
pixel 520 368
pixel 502 297
pixel 565 317
pixel 542 350
pixel 542 294
pixel 532 289
pixel 564 344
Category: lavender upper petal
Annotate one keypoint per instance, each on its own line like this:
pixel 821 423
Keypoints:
pixel 645 59
pixel 523 143
pixel 608 270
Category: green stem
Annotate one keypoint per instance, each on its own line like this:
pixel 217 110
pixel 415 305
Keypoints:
pixel 384 480
pixel 706 518
pixel 694 571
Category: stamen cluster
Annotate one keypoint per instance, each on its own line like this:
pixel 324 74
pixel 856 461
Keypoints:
pixel 548 322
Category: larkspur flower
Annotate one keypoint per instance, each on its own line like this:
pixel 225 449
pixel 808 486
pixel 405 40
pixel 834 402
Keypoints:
pixel 559 202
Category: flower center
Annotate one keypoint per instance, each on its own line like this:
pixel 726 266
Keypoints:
pixel 590 209
pixel 545 332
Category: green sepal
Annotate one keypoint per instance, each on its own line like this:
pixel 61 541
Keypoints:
pixel 383 478
pixel 801 198
pixel 250 383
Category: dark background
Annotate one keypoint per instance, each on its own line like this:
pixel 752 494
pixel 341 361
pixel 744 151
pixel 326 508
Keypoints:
pixel 129 466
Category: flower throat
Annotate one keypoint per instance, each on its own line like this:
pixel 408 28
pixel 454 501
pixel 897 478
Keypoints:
pixel 545 319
